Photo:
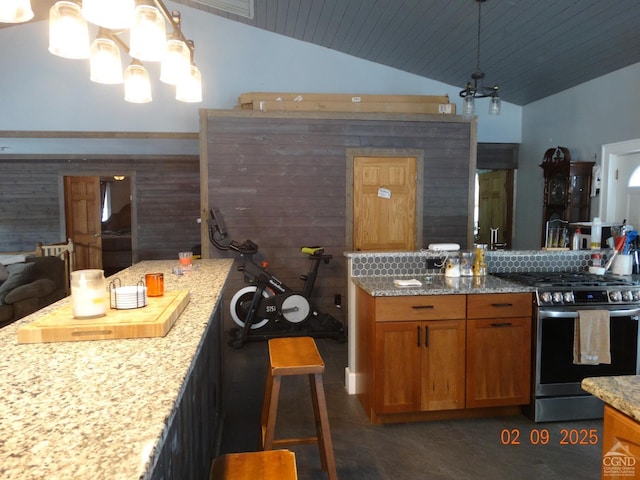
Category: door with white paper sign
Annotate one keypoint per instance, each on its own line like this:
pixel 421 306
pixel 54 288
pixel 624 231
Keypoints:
pixel 384 203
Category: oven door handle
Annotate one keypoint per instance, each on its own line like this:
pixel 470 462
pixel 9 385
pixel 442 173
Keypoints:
pixel 632 312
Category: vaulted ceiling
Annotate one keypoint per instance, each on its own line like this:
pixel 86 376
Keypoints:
pixel 530 48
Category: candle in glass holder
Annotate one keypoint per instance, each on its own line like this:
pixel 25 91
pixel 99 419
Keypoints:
pixel 88 293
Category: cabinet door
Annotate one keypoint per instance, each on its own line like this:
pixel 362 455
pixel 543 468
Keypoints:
pixel 620 443
pixel 397 366
pixel 443 366
pixel 498 362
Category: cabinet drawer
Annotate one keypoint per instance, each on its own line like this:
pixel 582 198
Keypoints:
pixel 426 307
pixel 496 305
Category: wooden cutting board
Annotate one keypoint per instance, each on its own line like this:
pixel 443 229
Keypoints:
pixel 153 320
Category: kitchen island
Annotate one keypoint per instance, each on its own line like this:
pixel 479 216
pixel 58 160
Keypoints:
pixel 621 425
pixel 118 409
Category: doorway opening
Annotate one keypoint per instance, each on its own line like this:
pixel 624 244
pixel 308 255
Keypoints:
pixel 618 196
pixel 116 228
pixel 98 219
pixel 495 209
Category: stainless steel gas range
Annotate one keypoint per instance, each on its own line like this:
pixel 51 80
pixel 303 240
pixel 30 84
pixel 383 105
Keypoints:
pixel 556 391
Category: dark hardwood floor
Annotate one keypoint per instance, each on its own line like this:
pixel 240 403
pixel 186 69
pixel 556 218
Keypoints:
pixel 455 449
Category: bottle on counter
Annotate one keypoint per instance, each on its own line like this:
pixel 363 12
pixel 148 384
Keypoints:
pixel 596 234
pixel 479 265
pixel 575 240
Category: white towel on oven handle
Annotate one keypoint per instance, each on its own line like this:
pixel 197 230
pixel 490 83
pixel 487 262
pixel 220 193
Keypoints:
pixel 591 338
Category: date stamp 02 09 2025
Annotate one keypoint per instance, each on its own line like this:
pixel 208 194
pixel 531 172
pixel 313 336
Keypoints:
pixel 542 436
pixel 618 462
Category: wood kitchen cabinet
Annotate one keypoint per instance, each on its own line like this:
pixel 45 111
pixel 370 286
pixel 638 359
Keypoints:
pixel 621 439
pixel 419 366
pixel 498 349
pixel 412 353
pixel 443 356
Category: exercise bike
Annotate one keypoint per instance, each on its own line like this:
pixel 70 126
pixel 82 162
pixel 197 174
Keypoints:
pixel 268 308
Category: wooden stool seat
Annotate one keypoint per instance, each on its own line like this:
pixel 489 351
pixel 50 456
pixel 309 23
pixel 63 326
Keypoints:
pixel 297 356
pixel 270 465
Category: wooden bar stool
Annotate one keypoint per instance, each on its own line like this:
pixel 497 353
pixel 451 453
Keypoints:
pixel 297 356
pixel 271 465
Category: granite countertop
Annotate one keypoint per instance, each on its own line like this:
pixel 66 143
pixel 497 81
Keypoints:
pixel 383 286
pixel 621 392
pixel 97 409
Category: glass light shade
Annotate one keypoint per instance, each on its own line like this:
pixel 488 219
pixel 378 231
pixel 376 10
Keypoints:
pixel 105 64
pixel 15 11
pixel 495 106
pixel 137 87
pixel 68 31
pixel 148 40
pixel 176 62
pixel 468 106
pixel 113 14
pixel 189 88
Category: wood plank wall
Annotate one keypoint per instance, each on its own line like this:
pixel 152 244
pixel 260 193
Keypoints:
pixel 167 200
pixel 280 180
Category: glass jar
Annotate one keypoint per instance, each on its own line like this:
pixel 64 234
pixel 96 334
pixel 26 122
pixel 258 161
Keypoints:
pixel 452 266
pixel 88 293
pixel 466 264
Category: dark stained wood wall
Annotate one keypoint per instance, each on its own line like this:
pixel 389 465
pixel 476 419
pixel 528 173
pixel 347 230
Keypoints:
pixel 280 180
pixel 167 200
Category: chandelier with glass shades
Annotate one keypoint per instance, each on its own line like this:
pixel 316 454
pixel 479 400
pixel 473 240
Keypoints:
pixel 148 42
pixel 473 91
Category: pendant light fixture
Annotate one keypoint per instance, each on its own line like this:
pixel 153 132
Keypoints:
pixel 15 11
pixel 137 87
pixel 148 34
pixel 105 64
pixel 473 90
pixel 189 88
pixel 148 42
pixel 176 62
pixel 112 14
pixel 68 31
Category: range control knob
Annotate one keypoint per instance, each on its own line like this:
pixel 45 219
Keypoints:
pixel 568 297
pixel 557 297
pixel 636 295
pixel 615 296
pixel 627 296
pixel 545 297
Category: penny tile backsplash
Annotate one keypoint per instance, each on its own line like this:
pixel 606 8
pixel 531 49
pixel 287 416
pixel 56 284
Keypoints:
pixel 498 261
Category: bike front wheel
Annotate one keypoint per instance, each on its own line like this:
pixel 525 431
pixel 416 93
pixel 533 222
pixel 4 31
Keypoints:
pixel 241 303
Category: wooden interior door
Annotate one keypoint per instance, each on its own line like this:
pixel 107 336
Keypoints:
pixel 494 205
pixel 384 203
pixel 83 220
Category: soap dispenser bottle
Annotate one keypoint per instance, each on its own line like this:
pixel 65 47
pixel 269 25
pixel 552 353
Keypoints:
pixel 575 240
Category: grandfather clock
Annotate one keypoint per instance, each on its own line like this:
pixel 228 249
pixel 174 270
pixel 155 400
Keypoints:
pixel 567 188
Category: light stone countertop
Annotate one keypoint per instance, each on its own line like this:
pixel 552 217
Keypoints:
pixel 97 409
pixel 621 392
pixel 383 286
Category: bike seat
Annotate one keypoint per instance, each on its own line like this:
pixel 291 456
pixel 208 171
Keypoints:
pixel 312 250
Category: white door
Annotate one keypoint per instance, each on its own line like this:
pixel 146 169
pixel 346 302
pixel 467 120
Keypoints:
pixel 627 190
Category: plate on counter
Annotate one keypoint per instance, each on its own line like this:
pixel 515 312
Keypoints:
pixel 133 296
